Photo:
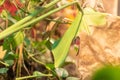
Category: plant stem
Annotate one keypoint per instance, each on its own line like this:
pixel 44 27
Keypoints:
pixel 58 21
pixel 33 76
pixel 39 62
pixel 4 63
pixel 11 30
pixel 19 26
pixel 26 77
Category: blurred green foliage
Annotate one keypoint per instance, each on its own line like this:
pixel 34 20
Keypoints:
pixel 107 73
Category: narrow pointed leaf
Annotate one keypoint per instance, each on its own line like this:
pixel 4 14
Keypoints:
pixel 60 50
pixel 94 18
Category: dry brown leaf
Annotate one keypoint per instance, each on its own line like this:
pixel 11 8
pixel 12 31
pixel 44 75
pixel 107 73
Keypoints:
pixel 2 52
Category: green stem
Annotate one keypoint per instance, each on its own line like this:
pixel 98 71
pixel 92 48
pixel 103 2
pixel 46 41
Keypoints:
pixel 12 19
pixel 13 29
pixel 10 30
pixel 4 63
pixel 46 15
pixel 26 77
pixel 39 62
pixel 58 21
pixel 36 60
pixel 33 76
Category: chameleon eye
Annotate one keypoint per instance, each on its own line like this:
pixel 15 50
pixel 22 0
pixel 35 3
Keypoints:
pixel 77 40
pixel 76 44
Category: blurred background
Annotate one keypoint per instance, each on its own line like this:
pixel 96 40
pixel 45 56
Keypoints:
pixel 118 7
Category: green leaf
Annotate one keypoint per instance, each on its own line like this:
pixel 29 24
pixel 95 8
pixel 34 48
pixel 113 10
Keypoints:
pixel 4 14
pixel 92 18
pixel 9 62
pixel 18 38
pixel 107 73
pixel 60 49
pixel 10 56
pixel 14 40
pixel 31 5
pixel 50 66
pixel 61 72
pixel 48 44
pixel 27 41
pixel 8 42
pixel 3 70
pixel 40 45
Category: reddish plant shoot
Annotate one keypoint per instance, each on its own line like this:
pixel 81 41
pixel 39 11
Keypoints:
pixel 10 6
